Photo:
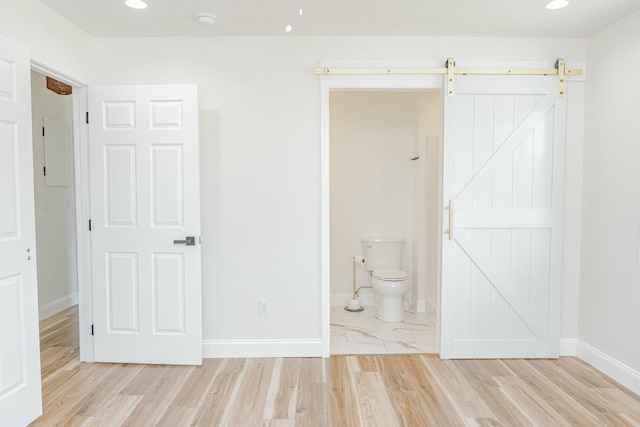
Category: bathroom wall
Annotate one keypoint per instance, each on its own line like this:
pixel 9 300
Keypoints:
pixel 55 209
pixel 374 136
pixel 427 183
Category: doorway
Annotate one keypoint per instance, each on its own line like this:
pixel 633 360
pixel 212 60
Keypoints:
pixel 384 182
pixel 80 198
pixel 54 196
pixel 334 298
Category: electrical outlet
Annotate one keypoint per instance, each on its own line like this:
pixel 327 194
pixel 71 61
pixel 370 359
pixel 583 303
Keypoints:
pixel 263 307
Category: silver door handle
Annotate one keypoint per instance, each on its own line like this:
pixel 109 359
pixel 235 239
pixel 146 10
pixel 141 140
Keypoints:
pixel 189 241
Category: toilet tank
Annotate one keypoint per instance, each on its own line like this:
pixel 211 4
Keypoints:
pixel 383 252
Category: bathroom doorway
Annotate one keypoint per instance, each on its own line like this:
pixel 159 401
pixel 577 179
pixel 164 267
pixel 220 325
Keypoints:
pixel 384 179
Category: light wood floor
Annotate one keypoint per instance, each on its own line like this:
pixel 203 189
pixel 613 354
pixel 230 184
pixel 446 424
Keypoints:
pixel 365 390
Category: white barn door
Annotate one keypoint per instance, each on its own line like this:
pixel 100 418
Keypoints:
pixel 503 178
pixel 145 214
pixel 20 393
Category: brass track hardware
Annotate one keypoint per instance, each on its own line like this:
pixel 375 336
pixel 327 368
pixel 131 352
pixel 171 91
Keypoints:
pixel 450 71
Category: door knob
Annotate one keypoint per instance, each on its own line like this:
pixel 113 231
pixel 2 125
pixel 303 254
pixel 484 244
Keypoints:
pixel 189 241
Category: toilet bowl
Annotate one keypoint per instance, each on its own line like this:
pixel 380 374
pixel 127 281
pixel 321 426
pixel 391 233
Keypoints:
pixel 390 285
pixel 389 282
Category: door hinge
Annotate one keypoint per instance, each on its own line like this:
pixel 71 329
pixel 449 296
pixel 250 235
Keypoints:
pixel 44 170
pixel 87 118
pixel 91 329
pixel 42 130
pixel 89 225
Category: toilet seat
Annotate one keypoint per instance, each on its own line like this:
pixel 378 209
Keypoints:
pixel 389 275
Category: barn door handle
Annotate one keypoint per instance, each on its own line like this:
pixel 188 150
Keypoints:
pixel 189 241
pixel 450 230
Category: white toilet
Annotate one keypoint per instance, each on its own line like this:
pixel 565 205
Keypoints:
pixel 384 257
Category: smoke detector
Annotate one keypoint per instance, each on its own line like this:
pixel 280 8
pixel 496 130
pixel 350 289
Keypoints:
pixel 206 18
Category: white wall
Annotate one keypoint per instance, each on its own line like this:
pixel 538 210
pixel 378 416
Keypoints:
pixel 50 37
pixel 430 172
pixel 55 208
pixel 261 157
pixel 610 288
pixel 572 218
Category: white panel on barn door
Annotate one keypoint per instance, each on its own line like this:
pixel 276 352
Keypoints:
pixel 20 384
pixel 144 161
pixel 503 173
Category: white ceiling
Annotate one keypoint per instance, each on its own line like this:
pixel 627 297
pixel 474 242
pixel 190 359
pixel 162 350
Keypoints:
pixel 508 18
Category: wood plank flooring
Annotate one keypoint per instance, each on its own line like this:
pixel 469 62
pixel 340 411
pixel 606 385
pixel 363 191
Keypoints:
pixel 362 390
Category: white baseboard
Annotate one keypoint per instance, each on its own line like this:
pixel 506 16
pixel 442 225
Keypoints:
pixel 568 347
pixel 617 370
pixel 213 349
pixel 58 305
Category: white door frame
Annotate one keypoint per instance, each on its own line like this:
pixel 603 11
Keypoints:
pixel 82 195
pixel 329 84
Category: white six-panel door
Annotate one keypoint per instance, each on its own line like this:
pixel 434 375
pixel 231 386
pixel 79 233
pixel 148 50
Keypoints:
pixel 20 395
pixel 145 195
pixel 503 178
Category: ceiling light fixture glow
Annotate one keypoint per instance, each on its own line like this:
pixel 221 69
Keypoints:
pixel 557 4
pixel 136 4
pixel 288 27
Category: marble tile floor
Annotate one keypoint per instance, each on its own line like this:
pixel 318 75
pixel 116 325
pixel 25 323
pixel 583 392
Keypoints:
pixel 361 333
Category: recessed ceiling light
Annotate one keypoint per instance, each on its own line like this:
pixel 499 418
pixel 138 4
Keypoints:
pixel 136 4
pixel 206 18
pixel 557 4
